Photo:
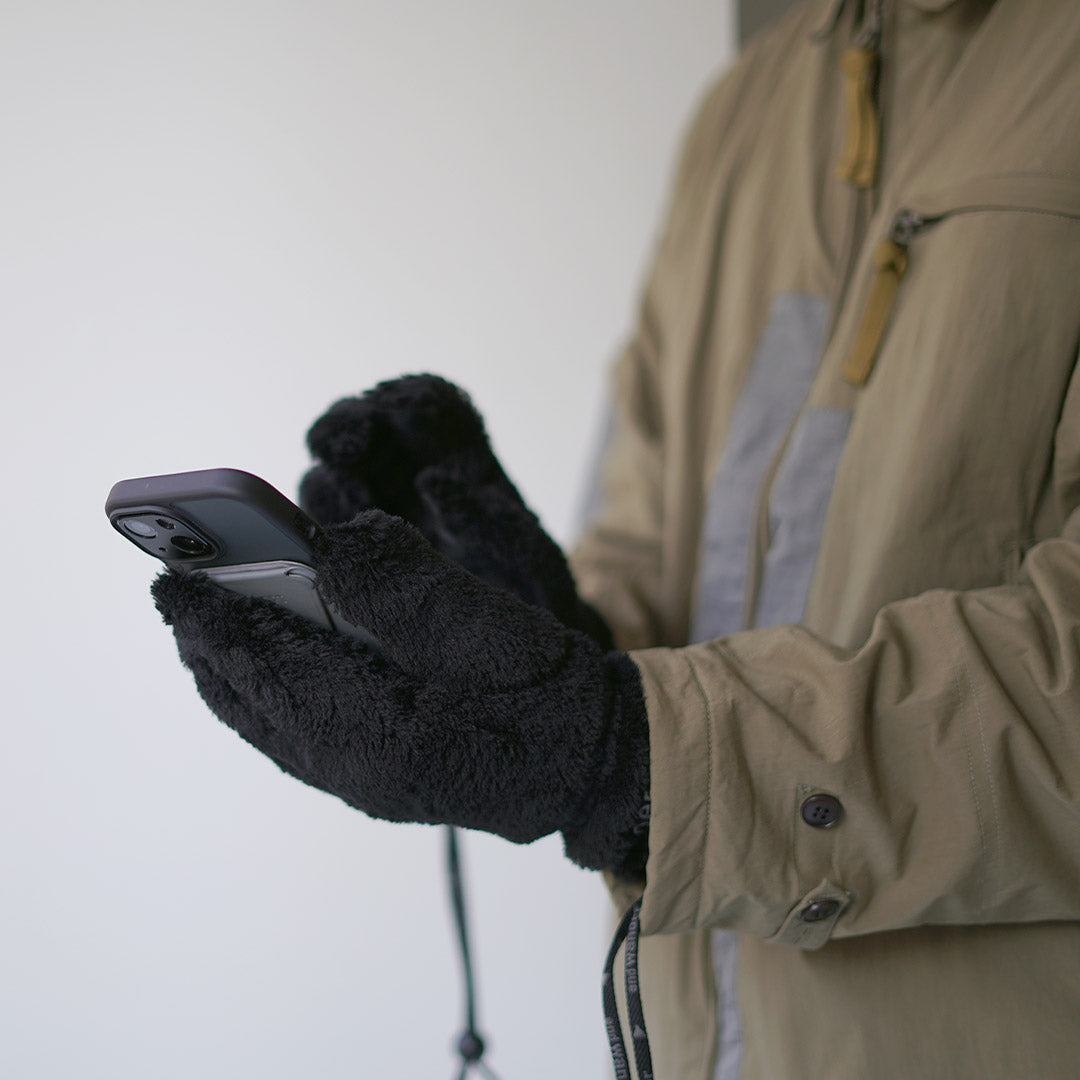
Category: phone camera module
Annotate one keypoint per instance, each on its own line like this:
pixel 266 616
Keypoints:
pixel 190 545
pixel 139 528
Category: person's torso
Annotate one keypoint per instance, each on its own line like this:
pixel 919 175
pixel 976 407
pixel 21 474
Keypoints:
pixel 860 395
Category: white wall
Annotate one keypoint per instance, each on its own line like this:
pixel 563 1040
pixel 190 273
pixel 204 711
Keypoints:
pixel 216 217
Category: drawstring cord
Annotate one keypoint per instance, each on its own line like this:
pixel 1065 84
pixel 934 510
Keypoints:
pixel 629 931
pixel 469 1045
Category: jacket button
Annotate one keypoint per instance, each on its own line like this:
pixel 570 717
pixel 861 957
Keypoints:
pixel 819 910
pixel 821 811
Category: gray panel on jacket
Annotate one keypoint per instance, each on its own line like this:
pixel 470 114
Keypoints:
pixel 797 504
pixel 782 371
pixel 725 949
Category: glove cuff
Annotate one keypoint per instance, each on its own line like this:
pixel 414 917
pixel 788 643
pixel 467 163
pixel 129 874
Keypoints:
pixel 589 621
pixel 612 826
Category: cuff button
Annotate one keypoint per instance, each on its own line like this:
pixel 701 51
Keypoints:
pixel 821 811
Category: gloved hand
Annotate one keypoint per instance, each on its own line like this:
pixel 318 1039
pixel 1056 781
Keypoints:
pixel 478 710
pixel 416 447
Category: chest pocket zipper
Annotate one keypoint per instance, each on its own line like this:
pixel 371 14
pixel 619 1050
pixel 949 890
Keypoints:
pixel 890 266
pixel 1046 195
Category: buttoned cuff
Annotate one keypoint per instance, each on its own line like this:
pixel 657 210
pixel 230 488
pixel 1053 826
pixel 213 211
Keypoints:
pixel 734 843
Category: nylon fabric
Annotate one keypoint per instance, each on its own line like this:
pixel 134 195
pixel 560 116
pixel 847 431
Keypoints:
pixel 783 370
pixel 931 682
pixel 781 373
pixel 798 503
pixel 729 1050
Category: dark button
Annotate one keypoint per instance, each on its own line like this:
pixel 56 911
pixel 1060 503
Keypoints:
pixel 819 910
pixel 821 811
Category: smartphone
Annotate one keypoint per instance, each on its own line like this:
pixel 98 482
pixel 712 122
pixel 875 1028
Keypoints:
pixel 232 526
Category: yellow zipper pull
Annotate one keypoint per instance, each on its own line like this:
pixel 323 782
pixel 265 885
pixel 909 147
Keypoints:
pixel 890 265
pixel 860 161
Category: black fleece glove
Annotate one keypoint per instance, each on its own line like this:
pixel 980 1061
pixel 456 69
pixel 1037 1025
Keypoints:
pixel 479 710
pixel 416 447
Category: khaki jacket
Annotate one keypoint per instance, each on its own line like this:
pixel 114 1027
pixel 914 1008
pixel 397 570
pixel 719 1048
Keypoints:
pixel 890 615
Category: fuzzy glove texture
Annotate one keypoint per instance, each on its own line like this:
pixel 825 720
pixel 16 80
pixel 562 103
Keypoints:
pixel 478 710
pixel 416 448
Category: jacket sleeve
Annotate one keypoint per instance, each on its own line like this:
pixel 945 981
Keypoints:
pixel 951 740
pixel 618 562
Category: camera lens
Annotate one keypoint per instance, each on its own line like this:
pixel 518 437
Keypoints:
pixel 189 545
pixel 139 528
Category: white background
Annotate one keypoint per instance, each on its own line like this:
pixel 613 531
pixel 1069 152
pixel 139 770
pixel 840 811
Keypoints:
pixel 215 219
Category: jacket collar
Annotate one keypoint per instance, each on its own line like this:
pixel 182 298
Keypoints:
pixel 832 9
pixel 931 5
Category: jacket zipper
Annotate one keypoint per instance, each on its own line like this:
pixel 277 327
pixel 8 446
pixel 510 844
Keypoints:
pixel 891 264
pixel 859 64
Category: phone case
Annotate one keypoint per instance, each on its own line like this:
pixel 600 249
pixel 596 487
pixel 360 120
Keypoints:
pixel 238 529
pixel 238 518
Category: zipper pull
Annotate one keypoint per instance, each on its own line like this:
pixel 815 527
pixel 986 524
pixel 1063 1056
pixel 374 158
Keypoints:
pixel 858 166
pixel 859 65
pixel 890 265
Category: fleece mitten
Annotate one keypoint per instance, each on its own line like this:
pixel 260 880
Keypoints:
pixel 416 448
pixel 476 710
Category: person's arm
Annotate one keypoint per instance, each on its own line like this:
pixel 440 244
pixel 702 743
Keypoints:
pixel 951 740
pixel 617 562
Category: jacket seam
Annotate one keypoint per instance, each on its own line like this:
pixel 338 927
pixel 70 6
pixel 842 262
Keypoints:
pixel 957 670
pixel 991 874
pixel 699 899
